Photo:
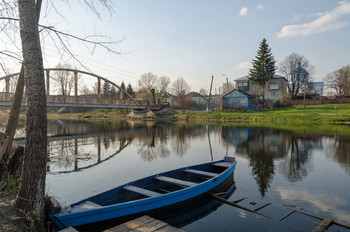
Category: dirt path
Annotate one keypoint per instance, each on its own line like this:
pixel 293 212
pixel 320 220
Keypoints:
pixel 11 219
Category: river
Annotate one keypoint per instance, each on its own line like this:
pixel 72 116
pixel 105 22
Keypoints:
pixel 302 169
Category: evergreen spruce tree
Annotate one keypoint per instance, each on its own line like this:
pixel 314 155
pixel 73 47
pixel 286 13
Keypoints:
pixel 130 90
pixel 263 66
pixel 106 88
pixel 122 86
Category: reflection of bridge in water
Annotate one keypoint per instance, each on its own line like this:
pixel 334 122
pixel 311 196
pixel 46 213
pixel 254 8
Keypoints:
pixel 83 100
pixel 67 149
pixel 99 160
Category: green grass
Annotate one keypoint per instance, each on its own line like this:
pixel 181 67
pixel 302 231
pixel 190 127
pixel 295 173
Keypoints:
pixel 9 185
pixel 318 114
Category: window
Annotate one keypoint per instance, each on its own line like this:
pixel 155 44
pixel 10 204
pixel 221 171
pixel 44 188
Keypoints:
pixel 273 85
pixel 241 84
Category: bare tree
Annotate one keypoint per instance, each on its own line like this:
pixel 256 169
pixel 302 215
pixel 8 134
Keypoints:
pixel 227 87
pixel 203 92
pixel 289 68
pixel 148 81
pixel 163 84
pixel 339 80
pixel 180 87
pixel 64 79
pixel 86 91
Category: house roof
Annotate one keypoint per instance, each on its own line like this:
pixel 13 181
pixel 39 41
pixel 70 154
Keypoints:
pixel 301 70
pixel 194 94
pixel 238 90
pixel 246 78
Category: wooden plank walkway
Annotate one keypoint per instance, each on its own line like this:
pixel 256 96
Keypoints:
pixel 144 224
pixel 306 221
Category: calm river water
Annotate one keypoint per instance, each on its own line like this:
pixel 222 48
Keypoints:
pixel 302 170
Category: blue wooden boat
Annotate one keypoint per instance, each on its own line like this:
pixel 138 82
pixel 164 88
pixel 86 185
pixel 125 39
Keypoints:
pixel 148 194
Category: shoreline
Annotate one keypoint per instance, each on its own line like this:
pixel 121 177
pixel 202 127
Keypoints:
pixel 314 115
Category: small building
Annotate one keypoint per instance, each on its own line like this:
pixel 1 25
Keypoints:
pixel 237 99
pixel 275 88
pixel 197 98
pixel 165 99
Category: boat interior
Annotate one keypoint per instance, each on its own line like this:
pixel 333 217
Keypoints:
pixel 155 186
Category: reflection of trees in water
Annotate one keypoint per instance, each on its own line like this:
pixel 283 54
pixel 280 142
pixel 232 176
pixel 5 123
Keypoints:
pixel 296 162
pixel 65 153
pixel 153 143
pixel 339 150
pixel 262 147
pixel 62 153
pixel 262 169
pixel 183 134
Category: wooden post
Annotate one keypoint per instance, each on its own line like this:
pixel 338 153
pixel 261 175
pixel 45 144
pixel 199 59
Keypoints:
pixel 98 149
pixel 99 89
pixel 76 86
pixel 47 83
pixel 76 155
pixel 7 87
pixel 211 85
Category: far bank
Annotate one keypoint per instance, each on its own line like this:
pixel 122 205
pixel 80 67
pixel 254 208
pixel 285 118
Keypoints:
pixel 335 114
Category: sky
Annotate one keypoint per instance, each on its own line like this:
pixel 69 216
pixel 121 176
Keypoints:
pixel 196 39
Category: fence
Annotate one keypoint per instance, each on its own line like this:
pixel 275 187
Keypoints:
pixel 315 101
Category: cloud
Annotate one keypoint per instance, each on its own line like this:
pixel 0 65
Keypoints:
pixel 243 11
pixel 322 202
pixel 297 17
pixel 243 66
pixel 325 22
pixel 259 7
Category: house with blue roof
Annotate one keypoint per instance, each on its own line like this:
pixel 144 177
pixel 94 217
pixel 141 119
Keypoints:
pixel 237 99
pixel 311 89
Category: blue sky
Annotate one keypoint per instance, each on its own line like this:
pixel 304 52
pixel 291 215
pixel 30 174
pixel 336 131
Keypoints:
pixel 194 39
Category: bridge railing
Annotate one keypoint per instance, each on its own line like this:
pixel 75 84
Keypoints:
pixel 83 99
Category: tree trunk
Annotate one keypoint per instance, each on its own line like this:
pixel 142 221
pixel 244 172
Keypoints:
pixel 32 188
pixel 14 114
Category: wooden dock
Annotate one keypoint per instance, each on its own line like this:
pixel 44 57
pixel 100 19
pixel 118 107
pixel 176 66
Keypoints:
pixel 141 224
pixel 298 219
pixel 144 224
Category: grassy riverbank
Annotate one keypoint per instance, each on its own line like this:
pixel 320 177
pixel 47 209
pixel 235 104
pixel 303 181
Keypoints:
pixel 312 114
pixel 318 114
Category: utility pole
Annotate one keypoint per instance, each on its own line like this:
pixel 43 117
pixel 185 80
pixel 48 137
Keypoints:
pixel 211 84
pixel 304 89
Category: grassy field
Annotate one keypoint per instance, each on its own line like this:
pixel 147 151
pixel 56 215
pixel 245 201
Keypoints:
pixel 313 114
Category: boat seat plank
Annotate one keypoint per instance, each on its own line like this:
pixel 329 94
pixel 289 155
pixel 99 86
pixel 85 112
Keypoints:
pixel 223 164
pixel 142 191
pixel 175 181
pixel 203 173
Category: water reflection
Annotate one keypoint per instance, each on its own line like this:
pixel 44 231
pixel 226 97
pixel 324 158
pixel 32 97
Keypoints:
pixel 339 150
pixel 74 145
pixel 263 146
